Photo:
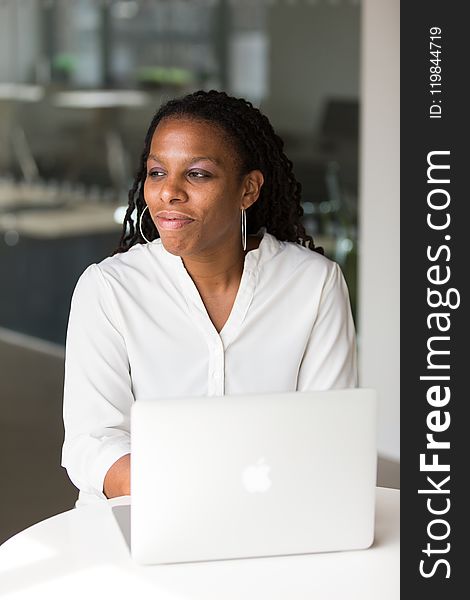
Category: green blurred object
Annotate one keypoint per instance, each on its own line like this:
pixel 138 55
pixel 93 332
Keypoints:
pixel 164 76
pixel 63 66
pixel 64 63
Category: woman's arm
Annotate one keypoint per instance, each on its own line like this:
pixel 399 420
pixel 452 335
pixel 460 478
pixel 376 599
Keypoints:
pixel 118 479
pixel 329 359
pixel 97 387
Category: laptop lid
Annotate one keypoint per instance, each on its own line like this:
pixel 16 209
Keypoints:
pixel 252 475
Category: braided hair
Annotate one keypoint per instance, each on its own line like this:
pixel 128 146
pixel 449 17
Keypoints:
pixel 256 146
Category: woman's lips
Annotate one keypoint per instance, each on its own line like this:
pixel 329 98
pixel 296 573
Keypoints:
pixel 172 223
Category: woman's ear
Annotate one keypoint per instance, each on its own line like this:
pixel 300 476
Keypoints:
pixel 253 183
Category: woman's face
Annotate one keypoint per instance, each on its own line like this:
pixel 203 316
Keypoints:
pixel 193 189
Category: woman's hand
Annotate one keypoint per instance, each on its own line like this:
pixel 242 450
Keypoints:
pixel 117 481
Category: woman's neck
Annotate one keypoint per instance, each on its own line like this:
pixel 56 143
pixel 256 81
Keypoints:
pixel 218 273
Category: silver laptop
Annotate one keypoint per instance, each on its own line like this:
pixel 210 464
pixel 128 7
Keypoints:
pixel 252 475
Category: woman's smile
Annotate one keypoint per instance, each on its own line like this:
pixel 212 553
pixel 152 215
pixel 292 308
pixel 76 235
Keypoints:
pixel 172 219
pixel 173 223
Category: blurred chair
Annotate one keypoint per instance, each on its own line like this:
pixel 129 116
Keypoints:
pixel 105 108
pixel 15 150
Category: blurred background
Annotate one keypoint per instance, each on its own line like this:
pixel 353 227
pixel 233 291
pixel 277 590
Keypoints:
pixel 79 83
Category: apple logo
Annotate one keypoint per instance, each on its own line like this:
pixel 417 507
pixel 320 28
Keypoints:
pixel 256 477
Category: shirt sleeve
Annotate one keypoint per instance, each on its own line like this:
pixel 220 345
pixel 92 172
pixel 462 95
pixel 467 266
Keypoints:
pixel 97 385
pixel 329 359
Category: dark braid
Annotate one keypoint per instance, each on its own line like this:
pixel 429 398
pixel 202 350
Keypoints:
pixel 256 145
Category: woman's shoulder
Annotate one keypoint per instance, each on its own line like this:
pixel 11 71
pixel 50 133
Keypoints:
pixel 132 262
pixel 299 256
pixel 139 261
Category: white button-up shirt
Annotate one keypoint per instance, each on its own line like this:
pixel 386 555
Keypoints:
pixel 138 328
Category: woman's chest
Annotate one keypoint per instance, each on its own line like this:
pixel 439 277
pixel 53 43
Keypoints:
pixel 186 343
pixel 219 307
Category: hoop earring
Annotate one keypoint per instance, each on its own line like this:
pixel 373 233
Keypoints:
pixel 140 225
pixel 244 229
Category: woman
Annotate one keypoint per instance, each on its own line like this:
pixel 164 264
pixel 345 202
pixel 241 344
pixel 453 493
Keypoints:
pixel 215 289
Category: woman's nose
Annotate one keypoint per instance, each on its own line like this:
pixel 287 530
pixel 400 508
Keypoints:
pixel 173 189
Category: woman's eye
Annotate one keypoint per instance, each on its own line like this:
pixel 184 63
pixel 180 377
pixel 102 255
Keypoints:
pixel 154 173
pixel 198 174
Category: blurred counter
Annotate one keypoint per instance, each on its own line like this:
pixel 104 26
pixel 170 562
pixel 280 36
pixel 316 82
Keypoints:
pixel 43 251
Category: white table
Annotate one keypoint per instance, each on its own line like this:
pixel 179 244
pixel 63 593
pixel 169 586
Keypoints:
pixel 82 554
